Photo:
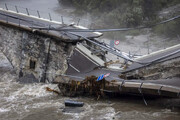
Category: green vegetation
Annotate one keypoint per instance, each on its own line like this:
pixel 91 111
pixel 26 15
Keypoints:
pixel 170 29
pixel 125 13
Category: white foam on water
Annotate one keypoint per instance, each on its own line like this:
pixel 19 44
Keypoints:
pixel 23 98
pixel 106 113
pixel 155 114
pixel 32 91
pixel 51 103
pixel 163 112
pixel 2 110
pixel 78 116
pixel 91 112
pixel 148 115
pixel 168 111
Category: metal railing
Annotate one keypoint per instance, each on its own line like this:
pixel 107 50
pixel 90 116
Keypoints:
pixel 150 46
pixel 68 20
pixel 49 16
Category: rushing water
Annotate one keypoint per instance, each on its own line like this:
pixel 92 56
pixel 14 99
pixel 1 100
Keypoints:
pixel 33 102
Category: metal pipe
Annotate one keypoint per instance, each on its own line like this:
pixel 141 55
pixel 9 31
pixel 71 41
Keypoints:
pixel 48 28
pixel 78 21
pixel 16 9
pixel 38 14
pixel 50 17
pixel 6 6
pixel 27 11
pixel 148 47
pixel 62 20
pixel 7 19
pixel 178 37
pixel 19 22
pixel 32 24
pixel 47 62
pixel 164 41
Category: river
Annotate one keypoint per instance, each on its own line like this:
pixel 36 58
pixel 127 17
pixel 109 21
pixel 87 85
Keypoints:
pixel 33 102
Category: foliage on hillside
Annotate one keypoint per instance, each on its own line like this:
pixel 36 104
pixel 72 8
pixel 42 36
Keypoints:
pixel 123 13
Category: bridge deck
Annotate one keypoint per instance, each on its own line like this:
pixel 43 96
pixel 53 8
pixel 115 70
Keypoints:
pixel 32 21
pixel 85 67
pixel 155 55
pixel 82 65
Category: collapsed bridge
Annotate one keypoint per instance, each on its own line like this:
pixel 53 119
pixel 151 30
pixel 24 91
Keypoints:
pixel 80 66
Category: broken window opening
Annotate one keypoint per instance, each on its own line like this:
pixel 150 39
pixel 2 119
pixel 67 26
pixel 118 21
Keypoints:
pixel 32 64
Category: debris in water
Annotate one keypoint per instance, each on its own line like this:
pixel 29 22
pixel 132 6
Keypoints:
pixel 88 86
pixel 51 90
pixel 72 103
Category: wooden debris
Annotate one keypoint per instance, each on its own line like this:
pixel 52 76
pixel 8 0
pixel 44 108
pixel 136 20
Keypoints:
pixel 51 90
pixel 111 62
pixel 89 86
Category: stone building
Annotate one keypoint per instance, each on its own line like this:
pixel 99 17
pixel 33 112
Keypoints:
pixel 34 55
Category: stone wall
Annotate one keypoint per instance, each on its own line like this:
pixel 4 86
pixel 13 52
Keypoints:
pixel 33 54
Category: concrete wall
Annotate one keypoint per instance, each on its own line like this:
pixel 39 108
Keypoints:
pixel 23 48
pixel 162 70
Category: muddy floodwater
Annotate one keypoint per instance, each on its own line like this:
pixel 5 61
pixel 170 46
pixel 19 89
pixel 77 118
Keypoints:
pixel 33 102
